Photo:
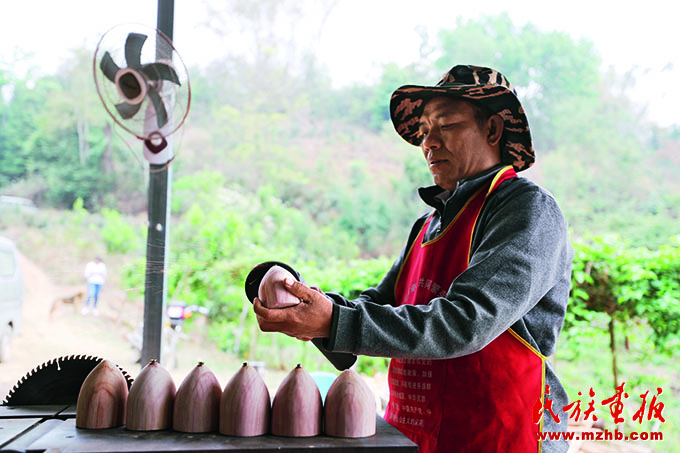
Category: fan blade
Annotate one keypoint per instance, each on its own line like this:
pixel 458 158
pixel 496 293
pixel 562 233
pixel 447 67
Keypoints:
pixel 126 110
pixel 157 71
pixel 133 49
pixel 161 113
pixel 108 67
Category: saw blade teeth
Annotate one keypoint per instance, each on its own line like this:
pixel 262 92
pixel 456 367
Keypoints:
pixel 127 376
pixel 5 402
pixel 31 386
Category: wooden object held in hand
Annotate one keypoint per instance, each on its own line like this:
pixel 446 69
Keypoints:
pixel 272 292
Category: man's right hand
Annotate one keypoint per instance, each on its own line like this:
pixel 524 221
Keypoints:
pixel 307 320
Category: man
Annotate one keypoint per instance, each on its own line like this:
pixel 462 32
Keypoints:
pixel 473 307
pixel 95 274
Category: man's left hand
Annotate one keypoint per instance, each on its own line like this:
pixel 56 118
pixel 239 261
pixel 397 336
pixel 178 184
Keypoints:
pixel 311 318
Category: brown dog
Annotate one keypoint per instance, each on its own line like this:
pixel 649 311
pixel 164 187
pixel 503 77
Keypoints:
pixel 74 300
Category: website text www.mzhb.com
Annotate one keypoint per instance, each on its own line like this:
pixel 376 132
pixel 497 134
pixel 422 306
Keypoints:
pixel 600 435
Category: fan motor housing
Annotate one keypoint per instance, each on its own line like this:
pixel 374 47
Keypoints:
pixel 131 84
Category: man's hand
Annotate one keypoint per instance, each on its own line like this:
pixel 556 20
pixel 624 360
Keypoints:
pixel 309 319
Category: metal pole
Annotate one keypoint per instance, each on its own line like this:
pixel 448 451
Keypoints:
pixel 165 18
pixel 160 182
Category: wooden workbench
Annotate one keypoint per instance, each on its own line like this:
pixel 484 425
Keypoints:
pixel 52 429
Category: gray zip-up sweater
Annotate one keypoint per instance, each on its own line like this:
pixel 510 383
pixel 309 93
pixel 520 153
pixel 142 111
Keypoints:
pixel 518 277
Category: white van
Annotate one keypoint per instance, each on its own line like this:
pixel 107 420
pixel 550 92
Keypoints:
pixel 11 296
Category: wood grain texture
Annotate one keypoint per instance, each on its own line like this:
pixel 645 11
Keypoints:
pixel 245 407
pixel 197 402
pixel 151 399
pixel 350 407
pixel 272 293
pixel 297 409
pixel 102 398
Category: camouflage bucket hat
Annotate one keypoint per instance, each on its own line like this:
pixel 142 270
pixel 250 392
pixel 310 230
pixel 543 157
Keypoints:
pixel 483 86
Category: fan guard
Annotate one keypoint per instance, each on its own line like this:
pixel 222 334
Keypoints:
pixel 142 81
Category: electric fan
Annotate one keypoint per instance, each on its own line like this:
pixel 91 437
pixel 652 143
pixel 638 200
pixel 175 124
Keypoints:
pixel 143 83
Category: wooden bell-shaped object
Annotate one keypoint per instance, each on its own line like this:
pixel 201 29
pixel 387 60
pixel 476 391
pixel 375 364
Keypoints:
pixel 350 408
pixel 272 293
pixel 197 402
pixel 102 398
pixel 151 399
pixel 245 407
pixel 297 410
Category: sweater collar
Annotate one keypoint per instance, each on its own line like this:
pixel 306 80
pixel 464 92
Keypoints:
pixel 437 197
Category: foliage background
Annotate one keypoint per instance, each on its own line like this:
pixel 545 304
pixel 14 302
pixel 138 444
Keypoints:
pixel 275 163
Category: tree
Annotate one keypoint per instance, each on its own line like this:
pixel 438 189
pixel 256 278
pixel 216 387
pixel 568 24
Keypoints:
pixel 56 133
pixel 628 286
pixel 593 152
pixel 554 75
pixel 18 107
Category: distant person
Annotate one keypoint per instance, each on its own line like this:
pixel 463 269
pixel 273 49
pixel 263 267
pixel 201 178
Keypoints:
pixel 95 274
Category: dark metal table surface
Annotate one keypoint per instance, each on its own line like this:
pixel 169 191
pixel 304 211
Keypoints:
pixel 52 429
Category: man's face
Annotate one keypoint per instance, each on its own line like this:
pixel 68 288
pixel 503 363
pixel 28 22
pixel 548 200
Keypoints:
pixel 454 145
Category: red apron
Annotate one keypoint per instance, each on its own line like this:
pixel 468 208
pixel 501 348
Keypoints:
pixel 481 402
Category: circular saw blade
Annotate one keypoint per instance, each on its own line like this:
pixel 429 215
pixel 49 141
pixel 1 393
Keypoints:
pixel 56 381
